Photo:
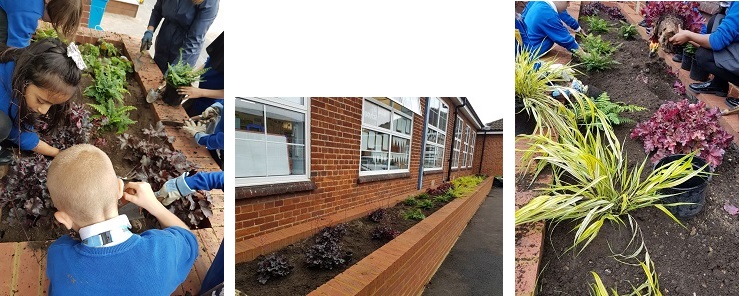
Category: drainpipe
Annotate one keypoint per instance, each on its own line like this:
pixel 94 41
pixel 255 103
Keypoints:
pixel 454 135
pixel 423 146
pixel 484 139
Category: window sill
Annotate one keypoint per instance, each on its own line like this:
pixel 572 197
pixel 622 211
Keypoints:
pixel 434 172
pixel 375 178
pixel 273 189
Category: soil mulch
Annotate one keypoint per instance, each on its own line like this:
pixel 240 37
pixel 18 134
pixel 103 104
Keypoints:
pixel 47 229
pixel 698 259
pixel 302 280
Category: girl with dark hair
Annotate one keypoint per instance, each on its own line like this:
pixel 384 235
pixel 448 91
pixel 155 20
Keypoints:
pixel 20 19
pixel 37 80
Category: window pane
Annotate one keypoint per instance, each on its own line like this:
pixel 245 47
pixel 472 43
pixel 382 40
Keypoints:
pixel 250 116
pixel 286 123
pixel 383 118
pixel 440 139
pixel 374 161
pixel 439 157
pixel 431 135
pixel 376 116
pixel 429 157
pixel 250 159
pixel 375 141
pixel 402 125
pixel 398 161
pixel 455 158
pixel 401 145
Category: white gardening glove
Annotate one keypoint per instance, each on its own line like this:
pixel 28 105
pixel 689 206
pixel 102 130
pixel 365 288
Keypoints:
pixel 194 128
pixel 210 112
pixel 174 189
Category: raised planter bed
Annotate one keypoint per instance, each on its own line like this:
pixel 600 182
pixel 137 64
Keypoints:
pixel 405 264
pixel 694 259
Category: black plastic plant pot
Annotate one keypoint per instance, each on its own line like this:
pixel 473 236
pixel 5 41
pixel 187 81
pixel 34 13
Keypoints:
pixel 697 73
pixel 687 62
pixel 170 96
pixel 691 191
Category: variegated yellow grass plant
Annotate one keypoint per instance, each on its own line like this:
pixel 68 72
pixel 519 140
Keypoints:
pixel 649 287
pixel 592 182
pixel 535 81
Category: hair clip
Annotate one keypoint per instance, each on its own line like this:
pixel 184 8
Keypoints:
pixel 74 53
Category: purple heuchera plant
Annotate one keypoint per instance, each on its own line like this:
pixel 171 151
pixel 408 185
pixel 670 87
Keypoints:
pixel 680 128
pixel 25 191
pixel 156 163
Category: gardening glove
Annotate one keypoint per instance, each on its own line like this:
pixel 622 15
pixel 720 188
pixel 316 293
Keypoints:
pixel 210 112
pixel 577 85
pixel 146 40
pixel 194 128
pixel 174 189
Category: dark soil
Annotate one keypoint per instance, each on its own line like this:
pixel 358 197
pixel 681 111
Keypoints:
pixel 302 280
pixel 46 228
pixel 699 259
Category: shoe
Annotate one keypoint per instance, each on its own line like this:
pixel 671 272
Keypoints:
pixel 732 102
pixel 708 88
pixel 6 157
pixel 677 58
pixel 643 23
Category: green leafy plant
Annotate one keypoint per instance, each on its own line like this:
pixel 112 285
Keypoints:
pixel 414 214
pixel 627 31
pixel 423 196
pixel 426 204
pixel 597 24
pixel 43 33
pixel 443 198
pixel 108 84
pixel 108 48
pixel 411 202
pixel 464 185
pixel 596 61
pixel 595 43
pixel 113 116
pixel 182 74
pixel 649 287
pixel 612 111
pixel 689 49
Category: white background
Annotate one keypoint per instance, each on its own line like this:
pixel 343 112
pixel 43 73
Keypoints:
pixel 373 48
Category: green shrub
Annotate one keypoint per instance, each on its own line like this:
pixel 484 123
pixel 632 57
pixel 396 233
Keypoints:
pixel 597 24
pixel 411 202
pixel 627 31
pixel 426 204
pixel 414 214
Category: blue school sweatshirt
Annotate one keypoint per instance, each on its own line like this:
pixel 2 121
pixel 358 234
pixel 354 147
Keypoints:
pixel 545 28
pixel 728 31
pixel 205 181
pixel 26 140
pixel 23 16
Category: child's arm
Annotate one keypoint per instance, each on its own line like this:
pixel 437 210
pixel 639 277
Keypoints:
pixel 46 149
pixel 141 194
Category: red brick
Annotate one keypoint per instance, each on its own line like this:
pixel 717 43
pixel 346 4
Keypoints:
pixel 7 267
pixel 29 270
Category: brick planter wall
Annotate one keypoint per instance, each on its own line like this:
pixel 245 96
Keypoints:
pixel 406 264
pixel 335 131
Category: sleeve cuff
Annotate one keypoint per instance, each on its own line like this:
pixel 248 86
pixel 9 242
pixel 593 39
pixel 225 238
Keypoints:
pixel 578 29
pixel 183 187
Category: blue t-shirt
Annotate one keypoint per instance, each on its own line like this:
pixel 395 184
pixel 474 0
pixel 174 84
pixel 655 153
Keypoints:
pixel 153 263
pixel 728 31
pixel 26 140
pixel 23 19
pixel 544 26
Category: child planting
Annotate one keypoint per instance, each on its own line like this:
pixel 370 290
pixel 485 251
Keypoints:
pixel 109 259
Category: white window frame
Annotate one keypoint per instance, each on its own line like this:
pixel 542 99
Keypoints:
pixel 472 149
pixel 438 131
pixel 275 102
pixel 466 144
pixel 392 134
pixel 457 143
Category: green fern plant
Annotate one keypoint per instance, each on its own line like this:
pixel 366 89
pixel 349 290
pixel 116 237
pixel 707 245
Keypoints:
pixel 114 116
pixel 627 31
pixel 612 111
pixel 597 24
pixel 108 85
pixel 182 74
pixel 426 204
pixel 414 214
pixel 596 61
pixel 594 43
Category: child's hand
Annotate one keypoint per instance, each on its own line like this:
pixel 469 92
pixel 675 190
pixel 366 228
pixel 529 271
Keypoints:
pixel 141 194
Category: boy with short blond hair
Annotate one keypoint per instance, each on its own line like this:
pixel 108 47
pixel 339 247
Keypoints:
pixel 110 260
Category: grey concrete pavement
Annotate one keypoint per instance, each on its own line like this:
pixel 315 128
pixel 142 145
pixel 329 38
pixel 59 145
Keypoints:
pixel 136 27
pixel 474 266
